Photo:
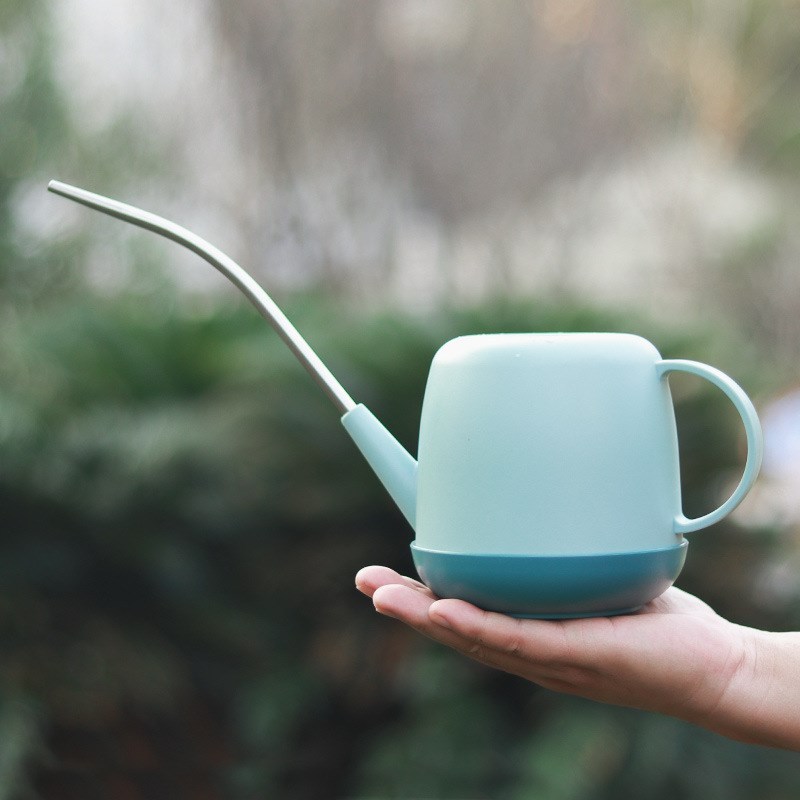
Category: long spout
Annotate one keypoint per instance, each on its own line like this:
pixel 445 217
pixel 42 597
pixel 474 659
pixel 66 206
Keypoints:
pixel 393 465
pixel 230 269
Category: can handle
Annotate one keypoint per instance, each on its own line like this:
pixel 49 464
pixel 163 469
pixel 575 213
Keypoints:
pixel 752 428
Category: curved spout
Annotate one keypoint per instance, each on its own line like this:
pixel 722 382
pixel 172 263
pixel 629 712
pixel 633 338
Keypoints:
pixel 396 469
pixel 230 269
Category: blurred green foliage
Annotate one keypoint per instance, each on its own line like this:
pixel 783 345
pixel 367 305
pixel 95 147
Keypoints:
pixel 183 517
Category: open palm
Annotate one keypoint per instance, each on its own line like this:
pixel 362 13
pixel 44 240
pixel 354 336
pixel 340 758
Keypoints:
pixel 675 656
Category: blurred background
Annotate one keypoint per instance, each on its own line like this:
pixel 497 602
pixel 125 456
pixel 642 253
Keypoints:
pixel 182 514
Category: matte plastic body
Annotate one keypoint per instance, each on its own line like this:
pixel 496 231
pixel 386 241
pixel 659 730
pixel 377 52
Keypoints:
pixel 555 444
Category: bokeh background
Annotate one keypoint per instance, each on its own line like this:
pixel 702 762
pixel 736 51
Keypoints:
pixel 182 514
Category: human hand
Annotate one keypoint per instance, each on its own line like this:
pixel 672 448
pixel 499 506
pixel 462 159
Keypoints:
pixel 676 656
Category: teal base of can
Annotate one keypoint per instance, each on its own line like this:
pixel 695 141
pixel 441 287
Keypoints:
pixel 552 587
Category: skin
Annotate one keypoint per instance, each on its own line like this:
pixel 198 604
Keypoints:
pixel 676 656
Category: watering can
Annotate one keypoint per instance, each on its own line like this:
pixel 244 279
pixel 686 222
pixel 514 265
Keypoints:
pixel 547 482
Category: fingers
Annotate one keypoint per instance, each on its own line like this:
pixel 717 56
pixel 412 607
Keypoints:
pixel 369 579
pixel 538 648
pixel 404 603
pixel 409 605
pixel 485 636
pixel 408 601
pixel 470 632
pixel 540 641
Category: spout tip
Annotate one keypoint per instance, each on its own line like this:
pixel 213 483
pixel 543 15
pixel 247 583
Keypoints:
pixel 57 187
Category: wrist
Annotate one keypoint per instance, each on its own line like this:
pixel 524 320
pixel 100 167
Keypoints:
pixel 761 704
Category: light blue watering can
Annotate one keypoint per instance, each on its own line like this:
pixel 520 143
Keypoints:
pixel 548 480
